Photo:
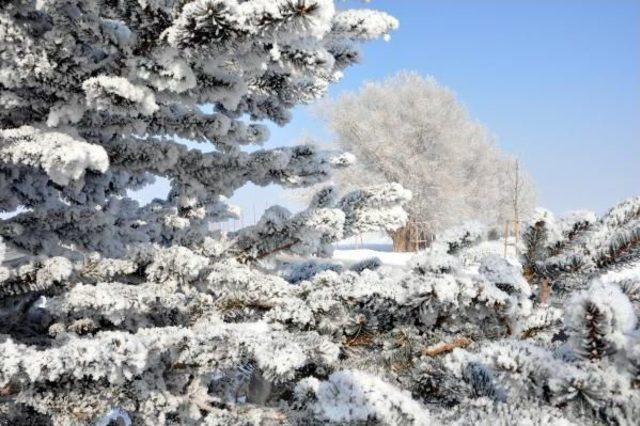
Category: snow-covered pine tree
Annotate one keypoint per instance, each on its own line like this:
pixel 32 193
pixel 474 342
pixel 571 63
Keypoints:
pixel 534 238
pixel 117 312
pixel 461 332
pixel 569 250
pixel 114 304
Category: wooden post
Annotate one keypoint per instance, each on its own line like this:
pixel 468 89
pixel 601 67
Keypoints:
pixel 545 292
pixel 516 205
pixel 506 237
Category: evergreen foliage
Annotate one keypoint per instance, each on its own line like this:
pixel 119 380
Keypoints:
pixel 118 312
pixel 564 250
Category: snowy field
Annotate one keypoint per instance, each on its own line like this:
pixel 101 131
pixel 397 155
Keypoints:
pixel 367 246
pixel 349 256
pixel 353 250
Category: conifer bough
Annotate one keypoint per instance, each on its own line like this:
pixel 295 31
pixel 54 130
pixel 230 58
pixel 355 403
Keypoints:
pixel 118 312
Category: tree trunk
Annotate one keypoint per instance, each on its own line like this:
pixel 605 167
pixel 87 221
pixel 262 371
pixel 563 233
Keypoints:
pixel 402 239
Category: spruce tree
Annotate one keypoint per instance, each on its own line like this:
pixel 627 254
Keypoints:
pixel 117 305
pixel 116 312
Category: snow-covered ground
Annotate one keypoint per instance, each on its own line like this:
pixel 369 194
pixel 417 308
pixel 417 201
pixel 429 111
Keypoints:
pixel 389 258
pixel 367 246
pixel 349 252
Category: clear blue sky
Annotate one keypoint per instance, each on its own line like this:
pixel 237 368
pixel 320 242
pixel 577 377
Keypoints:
pixel 557 82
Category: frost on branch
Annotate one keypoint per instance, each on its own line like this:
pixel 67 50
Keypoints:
pixel 375 208
pixel 459 237
pixel 34 276
pixel 600 319
pixel 593 377
pixel 363 24
pixel 312 231
pixel 109 308
pixel 93 94
pixel 352 396
pixel 443 341
pixel 61 156
pixel 563 251
pixel 115 307
pixel 118 96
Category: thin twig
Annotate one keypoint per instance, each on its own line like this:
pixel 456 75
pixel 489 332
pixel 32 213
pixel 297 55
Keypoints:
pixel 442 348
pixel 203 405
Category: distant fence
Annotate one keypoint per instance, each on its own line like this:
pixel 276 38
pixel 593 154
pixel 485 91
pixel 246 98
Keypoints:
pixel 420 235
pixel 511 236
pixel 246 218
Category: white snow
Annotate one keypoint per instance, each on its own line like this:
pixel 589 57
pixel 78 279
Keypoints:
pixel 351 396
pixel 367 245
pixel 632 272
pixel 389 258
pixel 378 245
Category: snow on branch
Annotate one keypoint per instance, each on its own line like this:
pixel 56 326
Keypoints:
pixel 61 156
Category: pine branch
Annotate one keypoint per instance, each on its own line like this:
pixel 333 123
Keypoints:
pixel 624 247
pixel 595 346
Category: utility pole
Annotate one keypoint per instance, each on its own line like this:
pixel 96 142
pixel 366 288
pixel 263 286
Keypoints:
pixel 516 206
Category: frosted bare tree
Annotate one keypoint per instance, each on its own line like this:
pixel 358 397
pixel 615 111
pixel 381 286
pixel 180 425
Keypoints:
pixel 411 130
